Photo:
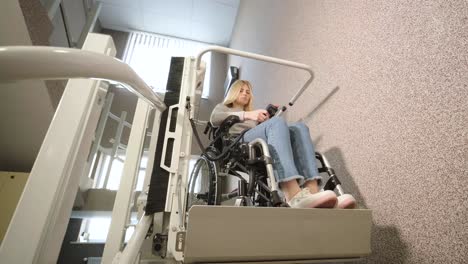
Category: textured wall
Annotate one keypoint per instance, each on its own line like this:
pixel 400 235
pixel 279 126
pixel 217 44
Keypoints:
pixel 388 107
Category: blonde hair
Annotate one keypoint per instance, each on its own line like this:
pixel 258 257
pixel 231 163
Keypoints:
pixel 234 92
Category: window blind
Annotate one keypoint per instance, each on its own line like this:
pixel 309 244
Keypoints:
pixel 150 56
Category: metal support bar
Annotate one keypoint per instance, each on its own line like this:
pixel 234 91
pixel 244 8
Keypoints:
pixel 123 199
pixel 90 22
pixel 116 118
pixel 102 125
pixel 115 146
pixel 99 132
pixel 66 27
pixel 51 7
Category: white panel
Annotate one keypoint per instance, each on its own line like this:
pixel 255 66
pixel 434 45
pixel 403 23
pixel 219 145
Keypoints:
pixel 173 8
pixel 212 12
pixel 210 33
pixel 233 3
pixel 121 16
pixel 209 21
pixel 166 25
pixel 126 3
pixel 212 22
pixel 76 17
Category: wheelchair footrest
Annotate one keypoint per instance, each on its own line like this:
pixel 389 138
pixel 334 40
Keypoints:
pixel 254 234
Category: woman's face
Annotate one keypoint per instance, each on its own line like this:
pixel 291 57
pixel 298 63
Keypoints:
pixel 244 96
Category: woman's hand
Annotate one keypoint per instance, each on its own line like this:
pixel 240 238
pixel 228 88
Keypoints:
pixel 259 115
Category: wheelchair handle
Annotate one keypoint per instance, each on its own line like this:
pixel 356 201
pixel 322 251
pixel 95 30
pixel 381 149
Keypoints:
pixel 266 59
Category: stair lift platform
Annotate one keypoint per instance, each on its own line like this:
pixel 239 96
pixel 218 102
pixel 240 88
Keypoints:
pixel 284 235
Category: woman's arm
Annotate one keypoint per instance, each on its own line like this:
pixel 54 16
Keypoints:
pixel 221 112
pixel 259 115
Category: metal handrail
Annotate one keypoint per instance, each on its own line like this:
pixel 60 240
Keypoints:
pixel 266 59
pixel 49 63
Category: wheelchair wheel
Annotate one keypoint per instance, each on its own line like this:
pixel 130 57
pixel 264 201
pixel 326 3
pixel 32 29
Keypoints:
pixel 204 187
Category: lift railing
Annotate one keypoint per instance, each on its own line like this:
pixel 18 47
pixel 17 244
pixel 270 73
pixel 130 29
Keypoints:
pixel 259 57
pixel 49 63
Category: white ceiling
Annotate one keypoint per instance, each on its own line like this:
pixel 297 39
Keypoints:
pixel 209 21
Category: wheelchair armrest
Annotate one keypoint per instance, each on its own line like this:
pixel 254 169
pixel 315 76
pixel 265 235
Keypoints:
pixel 213 131
pixel 229 122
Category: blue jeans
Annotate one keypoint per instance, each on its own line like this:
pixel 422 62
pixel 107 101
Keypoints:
pixel 291 149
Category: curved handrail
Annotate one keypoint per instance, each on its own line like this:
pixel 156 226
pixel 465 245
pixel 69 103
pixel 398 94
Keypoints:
pixel 263 58
pixel 48 63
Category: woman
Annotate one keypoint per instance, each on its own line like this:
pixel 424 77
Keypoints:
pixel 290 147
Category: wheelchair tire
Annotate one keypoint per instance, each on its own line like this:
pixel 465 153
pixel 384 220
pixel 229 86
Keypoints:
pixel 204 186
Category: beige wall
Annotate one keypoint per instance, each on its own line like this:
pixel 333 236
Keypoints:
pixel 388 107
pixel 11 188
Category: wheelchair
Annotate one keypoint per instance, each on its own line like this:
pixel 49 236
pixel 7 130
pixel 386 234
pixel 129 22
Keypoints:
pixel 228 155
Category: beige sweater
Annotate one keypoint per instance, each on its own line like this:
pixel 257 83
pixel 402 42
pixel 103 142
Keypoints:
pixel 221 112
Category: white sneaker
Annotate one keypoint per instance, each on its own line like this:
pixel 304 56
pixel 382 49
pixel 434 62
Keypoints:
pixel 305 199
pixel 346 201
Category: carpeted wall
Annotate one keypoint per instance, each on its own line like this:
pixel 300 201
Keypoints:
pixel 388 106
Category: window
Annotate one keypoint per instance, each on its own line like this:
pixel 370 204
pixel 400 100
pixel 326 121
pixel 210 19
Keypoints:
pixel 96 229
pixel 150 56
pixel 109 174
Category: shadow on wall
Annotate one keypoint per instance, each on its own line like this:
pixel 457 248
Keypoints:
pixel 311 113
pixel 384 239
pixel 387 246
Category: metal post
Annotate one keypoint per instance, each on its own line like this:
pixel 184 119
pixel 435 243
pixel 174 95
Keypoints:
pixel 100 130
pixel 177 185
